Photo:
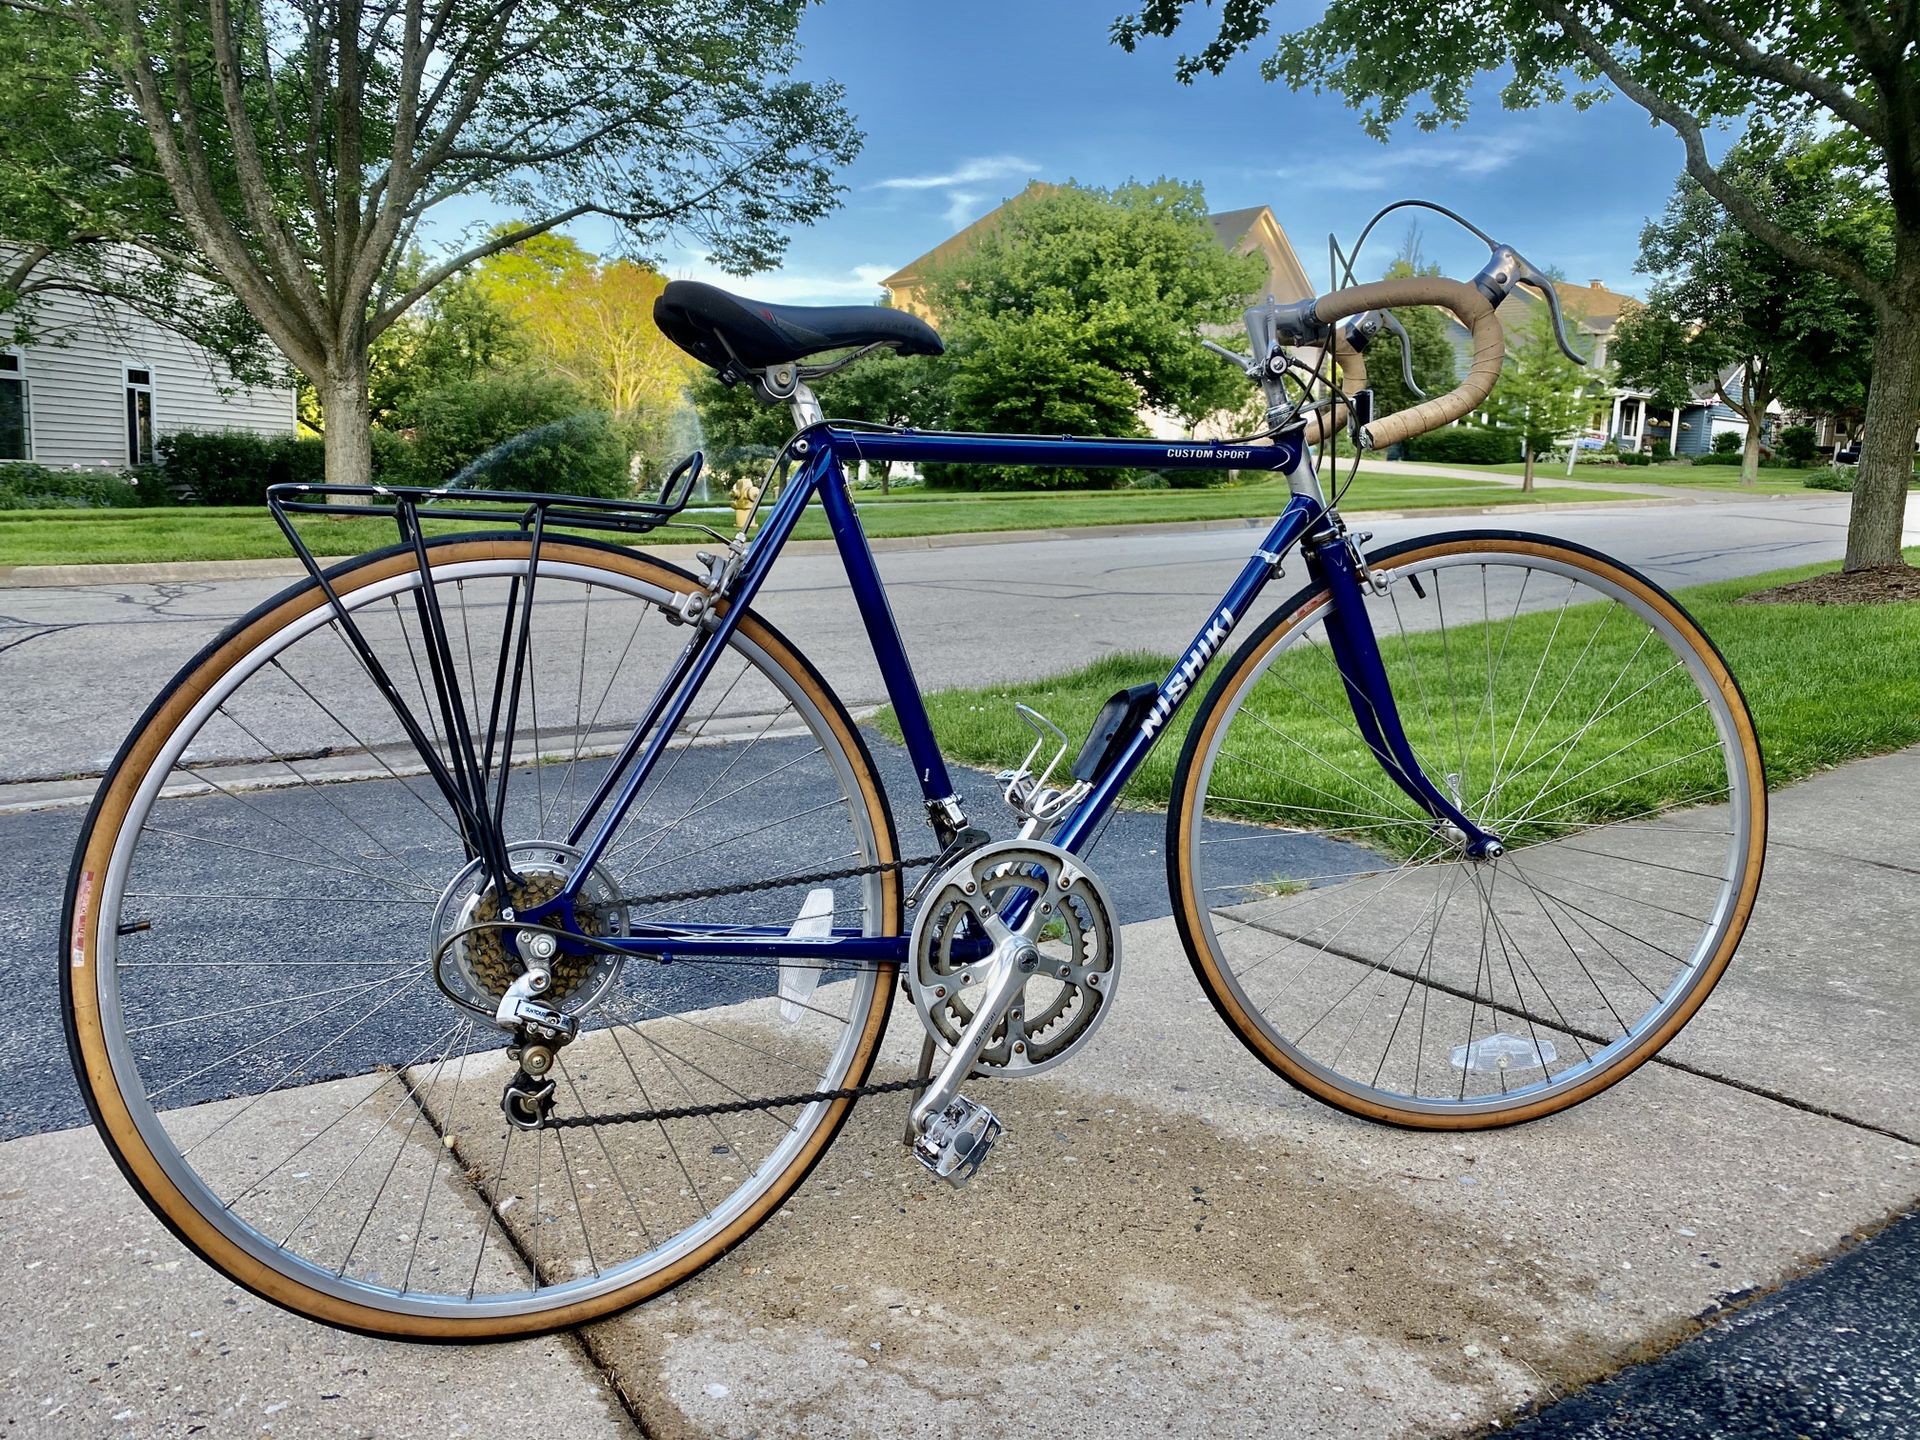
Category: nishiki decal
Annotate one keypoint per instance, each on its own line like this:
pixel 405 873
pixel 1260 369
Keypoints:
pixel 1181 681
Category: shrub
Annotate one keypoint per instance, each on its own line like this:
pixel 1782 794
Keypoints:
pixel 1727 442
pixel 1466 445
pixel 1634 457
pixel 235 467
pixel 25 486
pixel 1196 479
pixel 529 432
pixel 1831 477
pixel 1719 457
pixel 1796 446
pixel 394 462
pixel 1024 477
pixel 1660 450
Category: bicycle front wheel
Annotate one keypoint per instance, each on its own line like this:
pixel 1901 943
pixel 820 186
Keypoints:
pixel 268 873
pixel 1572 709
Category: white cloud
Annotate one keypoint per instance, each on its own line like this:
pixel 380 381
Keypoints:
pixel 860 285
pixel 1376 167
pixel 963 206
pixel 968 172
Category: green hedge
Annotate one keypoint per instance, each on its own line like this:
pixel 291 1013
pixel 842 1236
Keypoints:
pixel 1466 445
pixel 232 467
pixel 1797 447
pixel 517 431
pixel 1727 442
pixel 25 486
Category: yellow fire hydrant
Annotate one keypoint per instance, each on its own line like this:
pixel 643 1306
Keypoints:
pixel 745 495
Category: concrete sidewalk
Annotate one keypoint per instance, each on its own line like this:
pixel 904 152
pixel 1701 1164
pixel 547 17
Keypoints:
pixel 1168 1241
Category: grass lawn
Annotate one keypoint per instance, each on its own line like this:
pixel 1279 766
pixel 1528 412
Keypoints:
pixel 69 537
pixel 1826 684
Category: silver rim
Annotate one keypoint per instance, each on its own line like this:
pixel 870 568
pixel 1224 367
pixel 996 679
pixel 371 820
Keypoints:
pixel 401 1098
pixel 1569 716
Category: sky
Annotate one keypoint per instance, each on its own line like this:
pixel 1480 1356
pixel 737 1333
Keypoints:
pixel 962 104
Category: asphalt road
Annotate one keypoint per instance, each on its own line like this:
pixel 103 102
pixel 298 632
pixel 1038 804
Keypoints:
pixel 78 664
pixel 1834 1354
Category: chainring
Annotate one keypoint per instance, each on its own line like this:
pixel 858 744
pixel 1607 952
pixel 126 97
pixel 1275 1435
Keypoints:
pixel 478 966
pixel 1068 916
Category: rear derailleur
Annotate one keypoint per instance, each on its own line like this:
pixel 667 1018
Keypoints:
pixel 538 1030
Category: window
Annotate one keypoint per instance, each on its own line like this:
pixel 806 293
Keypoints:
pixel 14 437
pixel 139 416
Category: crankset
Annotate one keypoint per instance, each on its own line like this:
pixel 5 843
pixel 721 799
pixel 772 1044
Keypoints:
pixel 1012 965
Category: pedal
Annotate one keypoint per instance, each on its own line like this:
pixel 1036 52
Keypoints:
pixel 798 978
pixel 957 1140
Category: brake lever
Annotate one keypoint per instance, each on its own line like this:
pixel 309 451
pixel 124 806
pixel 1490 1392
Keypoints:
pixel 1508 268
pixel 1392 322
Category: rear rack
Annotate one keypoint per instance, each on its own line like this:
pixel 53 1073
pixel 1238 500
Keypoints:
pixel 524 510
pixel 466 771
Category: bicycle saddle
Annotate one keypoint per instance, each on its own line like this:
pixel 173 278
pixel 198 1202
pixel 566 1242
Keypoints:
pixel 721 329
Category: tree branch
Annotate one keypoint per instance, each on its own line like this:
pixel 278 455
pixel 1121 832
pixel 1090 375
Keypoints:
pixel 1842 267
pixel 256 192
pixel 426 284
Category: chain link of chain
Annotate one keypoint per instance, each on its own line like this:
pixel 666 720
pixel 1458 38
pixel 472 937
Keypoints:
pixel 736 1107
pixel 719 892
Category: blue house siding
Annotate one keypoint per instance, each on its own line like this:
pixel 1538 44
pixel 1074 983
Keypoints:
pixel 1696 430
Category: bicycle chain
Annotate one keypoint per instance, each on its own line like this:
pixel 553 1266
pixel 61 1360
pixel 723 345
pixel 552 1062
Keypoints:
pixel 771 1102
pixel 735 1107
pixel 717 892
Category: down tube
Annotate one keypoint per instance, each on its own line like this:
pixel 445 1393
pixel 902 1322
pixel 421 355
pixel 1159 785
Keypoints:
pixel 1082 826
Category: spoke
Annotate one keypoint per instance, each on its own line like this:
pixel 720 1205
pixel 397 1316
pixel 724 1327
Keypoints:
pixel 453 1108
pixel 364 746
pixel 606 1155
pixel 322 793
pixel 686 855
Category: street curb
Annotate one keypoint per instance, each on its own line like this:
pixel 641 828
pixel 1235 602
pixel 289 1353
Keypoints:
pixel 22 577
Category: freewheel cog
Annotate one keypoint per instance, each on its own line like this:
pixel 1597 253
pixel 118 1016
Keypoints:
pixel 477 968
pixel 1061 908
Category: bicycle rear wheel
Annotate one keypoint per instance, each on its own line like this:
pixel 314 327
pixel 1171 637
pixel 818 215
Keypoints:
pixel 1574 710
pixel 267 870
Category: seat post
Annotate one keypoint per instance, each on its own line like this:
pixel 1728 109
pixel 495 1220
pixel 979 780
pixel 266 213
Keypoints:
pixel 806 409
pixel 783 382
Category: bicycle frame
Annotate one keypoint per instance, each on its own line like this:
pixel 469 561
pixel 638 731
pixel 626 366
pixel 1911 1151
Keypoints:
pixel 825 450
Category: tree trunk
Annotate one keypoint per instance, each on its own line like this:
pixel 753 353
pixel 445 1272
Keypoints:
pixel 348 422
pixel 1886 449
pixel 1750 453
pixel 1526 480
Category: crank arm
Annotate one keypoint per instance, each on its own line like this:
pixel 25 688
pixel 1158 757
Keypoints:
pixel 1012 968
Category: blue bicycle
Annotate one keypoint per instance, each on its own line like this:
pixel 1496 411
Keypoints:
pixel 491 931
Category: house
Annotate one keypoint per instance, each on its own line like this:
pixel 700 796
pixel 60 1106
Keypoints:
pixel 1241 231
pixel 101 384
pixel 1252 230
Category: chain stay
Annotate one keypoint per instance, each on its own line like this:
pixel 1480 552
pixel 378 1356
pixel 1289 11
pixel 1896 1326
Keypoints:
pixel 770 1102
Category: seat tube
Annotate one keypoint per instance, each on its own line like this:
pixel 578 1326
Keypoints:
pixel 883 634
pixel 1356 651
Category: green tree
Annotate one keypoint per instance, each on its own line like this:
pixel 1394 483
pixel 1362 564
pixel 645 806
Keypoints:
pixel 1434 369
pixel 297 152
pixel 1542 395
pixel 1136 267
pixel 1846 66
pixel 741 434
pixel 1727 311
